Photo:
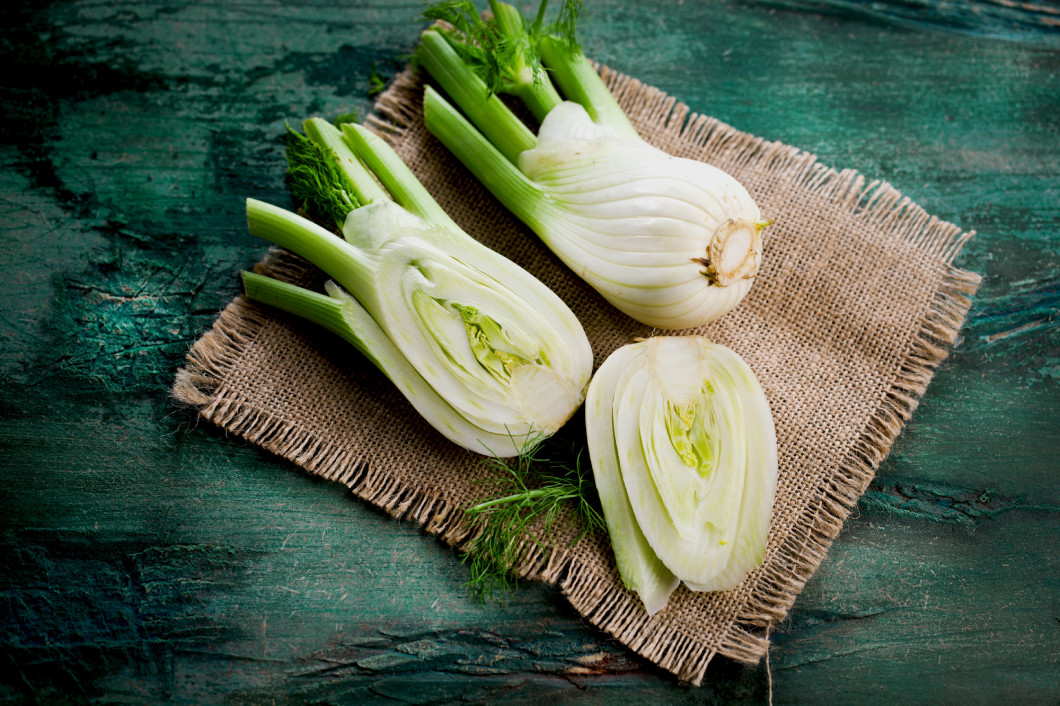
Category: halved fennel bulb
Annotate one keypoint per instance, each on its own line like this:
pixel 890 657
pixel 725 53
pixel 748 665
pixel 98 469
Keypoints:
pixel 490 356
pixel 684 454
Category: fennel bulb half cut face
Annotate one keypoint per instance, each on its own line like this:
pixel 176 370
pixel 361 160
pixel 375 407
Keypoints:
pixel 684 453
pixel 494 342
pixel 672 242
pixel 488 354
pixel 504 351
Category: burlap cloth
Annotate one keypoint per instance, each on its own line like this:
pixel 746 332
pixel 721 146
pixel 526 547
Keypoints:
pixel 856 304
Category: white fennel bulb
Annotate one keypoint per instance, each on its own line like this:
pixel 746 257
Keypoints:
pixel 672 242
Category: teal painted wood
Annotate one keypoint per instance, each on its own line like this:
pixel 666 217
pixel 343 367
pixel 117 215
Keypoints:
pixel 144 556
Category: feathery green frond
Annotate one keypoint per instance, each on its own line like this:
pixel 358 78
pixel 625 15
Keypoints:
pixel 479 43
pixel 528 490
pixel 565 25
pixel 502 46
pixel 317 184
pixel 376 85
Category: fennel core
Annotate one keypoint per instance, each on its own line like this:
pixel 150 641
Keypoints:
pixel 733 252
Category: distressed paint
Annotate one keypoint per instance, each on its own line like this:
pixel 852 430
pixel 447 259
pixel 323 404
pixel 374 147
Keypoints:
pixel 147 557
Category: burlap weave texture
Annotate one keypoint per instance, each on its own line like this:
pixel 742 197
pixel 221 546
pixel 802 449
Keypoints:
pixel 855 306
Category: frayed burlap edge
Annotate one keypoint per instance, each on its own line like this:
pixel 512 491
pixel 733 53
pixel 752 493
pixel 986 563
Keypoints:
pixel 788 566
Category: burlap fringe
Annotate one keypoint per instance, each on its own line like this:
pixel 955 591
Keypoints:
pixel 398 107
pixel 198 383
pixel 788 566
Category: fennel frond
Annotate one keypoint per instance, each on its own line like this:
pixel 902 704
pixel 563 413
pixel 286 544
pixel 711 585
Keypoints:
pixel 530 493
pixel 319 187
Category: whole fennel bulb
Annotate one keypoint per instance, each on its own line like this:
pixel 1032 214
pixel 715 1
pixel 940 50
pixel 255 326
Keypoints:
pixel 672 242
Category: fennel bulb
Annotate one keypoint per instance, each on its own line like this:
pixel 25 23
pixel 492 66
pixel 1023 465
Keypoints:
pixel 684 455
pixel 486 353
pixel 672 242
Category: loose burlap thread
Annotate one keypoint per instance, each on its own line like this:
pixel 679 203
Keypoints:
pixel 856 304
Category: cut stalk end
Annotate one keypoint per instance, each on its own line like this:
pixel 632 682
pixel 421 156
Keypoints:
pixel 733 252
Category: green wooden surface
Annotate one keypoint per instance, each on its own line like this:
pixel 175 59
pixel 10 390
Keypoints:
pixel 146 557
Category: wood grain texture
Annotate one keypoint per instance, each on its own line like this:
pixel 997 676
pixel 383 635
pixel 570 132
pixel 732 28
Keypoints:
pixel 145 557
